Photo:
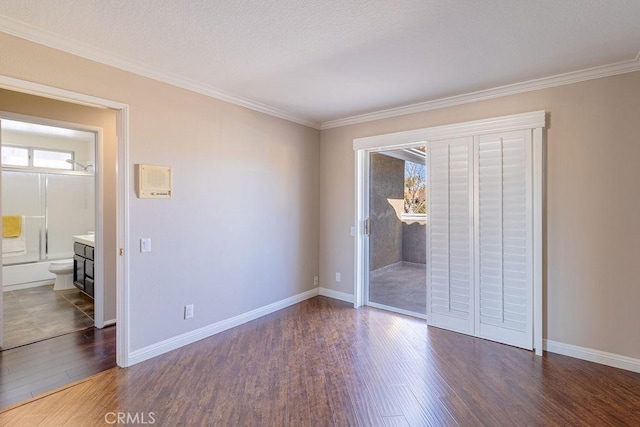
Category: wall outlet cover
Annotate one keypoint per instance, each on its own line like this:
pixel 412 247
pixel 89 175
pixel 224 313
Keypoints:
pixel 188 311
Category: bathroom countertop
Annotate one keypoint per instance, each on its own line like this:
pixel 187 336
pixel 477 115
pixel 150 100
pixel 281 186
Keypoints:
pixel 85 239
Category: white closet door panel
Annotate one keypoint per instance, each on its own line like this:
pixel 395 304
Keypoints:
pixel 503 234
pixel 449 236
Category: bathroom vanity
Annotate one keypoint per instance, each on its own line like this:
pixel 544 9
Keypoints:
pixel 83 263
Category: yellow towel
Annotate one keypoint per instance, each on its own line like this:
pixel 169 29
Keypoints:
pixel 11 226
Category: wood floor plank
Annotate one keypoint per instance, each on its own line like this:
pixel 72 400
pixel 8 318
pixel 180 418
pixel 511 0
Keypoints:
pixel 46 365
pixel 396 421
pixel 323 363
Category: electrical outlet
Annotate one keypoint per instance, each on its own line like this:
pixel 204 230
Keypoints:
pixel 337 277
pixel 315 281
pixel 188 311
pixel 352 231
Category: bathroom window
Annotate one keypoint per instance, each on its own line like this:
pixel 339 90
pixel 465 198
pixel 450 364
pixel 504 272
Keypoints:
pixel 15 156
pixel 31 157
pixel 52 159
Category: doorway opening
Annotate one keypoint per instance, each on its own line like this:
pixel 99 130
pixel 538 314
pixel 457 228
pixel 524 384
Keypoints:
pixel 397 230
pixel 48 207
pixel 54 106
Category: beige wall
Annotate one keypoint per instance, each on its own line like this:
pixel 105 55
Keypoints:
pixel 592 291
pixel 241 230
pixel 106 119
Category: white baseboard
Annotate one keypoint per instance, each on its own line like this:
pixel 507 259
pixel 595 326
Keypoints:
pixel 108 323
pixel 591 355
pixel 342 296
pixel 187 338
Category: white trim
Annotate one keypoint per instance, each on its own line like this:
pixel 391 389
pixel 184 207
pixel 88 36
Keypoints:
pixel 538 231
pixel 123 296
pixel 50 92
pixel 108 323
pixel 591 355
pixel 534 119
pixel 98 290
pixel 65 44
pixel 361 213
pixel 397 310
pixel 622 67
pixel 122 197
pixel 187 338
pixel 330 293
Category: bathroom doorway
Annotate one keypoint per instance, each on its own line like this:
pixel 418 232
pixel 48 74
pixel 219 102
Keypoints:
pixel 48 213
pixel 46 365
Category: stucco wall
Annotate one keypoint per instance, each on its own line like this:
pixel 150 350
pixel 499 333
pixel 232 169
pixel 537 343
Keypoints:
pixel 414 243
pixel 386 198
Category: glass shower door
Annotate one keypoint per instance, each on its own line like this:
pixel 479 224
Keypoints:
pixel 22 195
pixel 70 211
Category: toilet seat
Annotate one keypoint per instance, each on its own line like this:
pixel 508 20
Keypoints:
pixel 61 266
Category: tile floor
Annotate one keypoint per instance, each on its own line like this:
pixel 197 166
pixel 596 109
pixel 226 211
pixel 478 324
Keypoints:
pixel 400 286
pixel 34 314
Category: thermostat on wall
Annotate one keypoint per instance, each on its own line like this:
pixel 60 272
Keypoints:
pixel 154 182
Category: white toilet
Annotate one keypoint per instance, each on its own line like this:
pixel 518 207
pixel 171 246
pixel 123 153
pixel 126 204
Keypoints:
pixel 63 269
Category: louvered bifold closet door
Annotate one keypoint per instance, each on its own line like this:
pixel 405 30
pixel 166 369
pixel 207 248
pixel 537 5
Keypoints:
pixel 449 235
pixel 503 234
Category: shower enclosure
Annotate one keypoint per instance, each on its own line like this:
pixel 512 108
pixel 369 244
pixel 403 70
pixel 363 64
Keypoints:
pixel 48 187
pixel 55 206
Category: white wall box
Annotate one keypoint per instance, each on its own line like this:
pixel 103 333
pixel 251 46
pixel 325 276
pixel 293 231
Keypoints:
pixel 154 182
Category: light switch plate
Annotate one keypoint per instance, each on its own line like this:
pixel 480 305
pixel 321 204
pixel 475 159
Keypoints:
pixel 145 244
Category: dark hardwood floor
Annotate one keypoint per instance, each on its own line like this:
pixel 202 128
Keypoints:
pixel 39 313
pixel 40 367
pixel 323 363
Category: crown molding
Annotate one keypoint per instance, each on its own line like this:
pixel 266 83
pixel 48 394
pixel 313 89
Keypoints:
pixel 65 44
pixel 528 86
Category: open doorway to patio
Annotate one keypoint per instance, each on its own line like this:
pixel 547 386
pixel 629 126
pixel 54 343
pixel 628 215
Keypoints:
pixel 397 227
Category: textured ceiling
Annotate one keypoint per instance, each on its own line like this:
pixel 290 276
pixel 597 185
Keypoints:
pixel 326 60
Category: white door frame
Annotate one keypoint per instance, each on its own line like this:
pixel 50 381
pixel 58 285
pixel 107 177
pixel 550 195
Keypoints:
pixel 362 263
pixel 122 197
pixel 535 121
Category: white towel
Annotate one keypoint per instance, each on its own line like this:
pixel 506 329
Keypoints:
pixel 15 246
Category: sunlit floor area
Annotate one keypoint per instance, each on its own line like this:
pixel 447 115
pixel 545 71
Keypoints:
pixel 31 370
pixel 401 286
pixel 35 314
